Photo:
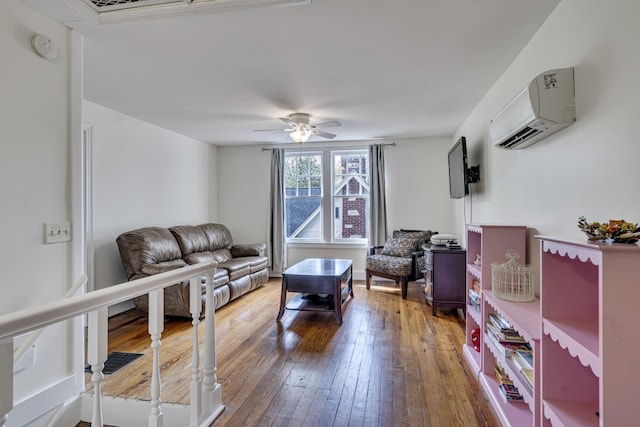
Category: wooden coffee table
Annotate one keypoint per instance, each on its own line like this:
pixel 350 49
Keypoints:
pixel 323 285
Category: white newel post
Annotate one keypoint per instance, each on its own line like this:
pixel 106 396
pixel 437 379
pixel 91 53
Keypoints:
pixel 211 396
pixel 96 357
pixel 195 302
pixel 6 379
pixel 156 327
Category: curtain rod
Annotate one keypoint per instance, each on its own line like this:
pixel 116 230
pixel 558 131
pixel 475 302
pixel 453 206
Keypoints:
pixel 392 144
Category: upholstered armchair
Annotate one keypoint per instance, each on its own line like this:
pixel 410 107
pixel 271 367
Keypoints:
pixel 400 259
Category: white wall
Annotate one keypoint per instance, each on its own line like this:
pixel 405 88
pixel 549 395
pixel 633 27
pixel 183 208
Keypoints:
pixel 34 182
pixel 417 191
pixel 143 176
pixel 589 168
pixel 243 192
pixel 418 185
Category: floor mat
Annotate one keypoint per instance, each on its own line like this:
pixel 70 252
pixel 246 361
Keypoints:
pixel 115 361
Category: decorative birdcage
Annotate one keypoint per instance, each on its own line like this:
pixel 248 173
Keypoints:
pixel 512 281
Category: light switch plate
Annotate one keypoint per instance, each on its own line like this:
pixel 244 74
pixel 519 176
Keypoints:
pixel 56 232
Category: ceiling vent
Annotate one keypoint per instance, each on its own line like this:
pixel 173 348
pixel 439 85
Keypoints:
pixel 542 108
pixel 116 11
pixel 107 5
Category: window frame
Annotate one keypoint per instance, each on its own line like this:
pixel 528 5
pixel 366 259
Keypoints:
pixel 328 197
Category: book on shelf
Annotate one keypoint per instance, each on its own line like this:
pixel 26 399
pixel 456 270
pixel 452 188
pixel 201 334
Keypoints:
pixel 523 359
pixel 474 300
pixel 507 348
pixel 475 285
pixel 501 375
pixel 528 376
pixel 510 393
pixel 505 337
pixel 509 389
pixel 500 323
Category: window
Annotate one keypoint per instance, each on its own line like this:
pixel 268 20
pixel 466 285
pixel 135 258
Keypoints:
pixel 303 195
pixel 312 214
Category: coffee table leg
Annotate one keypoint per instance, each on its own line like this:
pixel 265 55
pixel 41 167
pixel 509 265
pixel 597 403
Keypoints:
pixel 337 299
pixel 283 299
pixel 350 283
pixel 338 295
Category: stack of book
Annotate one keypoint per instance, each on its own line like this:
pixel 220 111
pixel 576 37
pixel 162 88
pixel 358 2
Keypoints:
pixel 524 361
pixel 475 294
pixel 510 393
pixel 474 300
pixel 510 344
pixel 501 375
pixel 507 390
pixel 503 331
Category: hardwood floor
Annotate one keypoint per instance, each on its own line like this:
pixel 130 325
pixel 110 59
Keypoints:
pixel 390 364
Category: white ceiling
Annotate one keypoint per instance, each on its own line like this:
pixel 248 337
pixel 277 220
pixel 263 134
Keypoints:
pixel 384 69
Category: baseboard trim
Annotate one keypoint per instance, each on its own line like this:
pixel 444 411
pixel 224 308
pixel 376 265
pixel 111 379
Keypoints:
pixel 135 413
pixel 32 410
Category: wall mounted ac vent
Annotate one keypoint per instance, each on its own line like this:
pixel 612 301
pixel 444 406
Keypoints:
pixel 542 108
pixel 105 5
pixel 525 134
pixel 74 12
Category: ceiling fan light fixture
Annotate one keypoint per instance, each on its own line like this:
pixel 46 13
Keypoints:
pixel 300 130
pixel 300 135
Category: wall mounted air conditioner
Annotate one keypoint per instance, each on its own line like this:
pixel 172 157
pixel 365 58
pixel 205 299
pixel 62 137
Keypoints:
pixel 542 108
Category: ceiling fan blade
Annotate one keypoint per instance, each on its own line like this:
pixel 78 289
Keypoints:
pixel 331 124
pixel 323 134
pixel 287 120
pixel 273 130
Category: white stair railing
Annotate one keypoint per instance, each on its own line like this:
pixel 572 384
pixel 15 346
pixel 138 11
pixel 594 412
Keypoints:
pixel 205 403
pixel 34 336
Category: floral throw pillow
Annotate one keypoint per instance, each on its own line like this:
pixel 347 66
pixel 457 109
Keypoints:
pixel 423 236
pixel 400 246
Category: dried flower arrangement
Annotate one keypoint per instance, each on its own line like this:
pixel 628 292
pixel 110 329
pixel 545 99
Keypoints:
pixel 617 231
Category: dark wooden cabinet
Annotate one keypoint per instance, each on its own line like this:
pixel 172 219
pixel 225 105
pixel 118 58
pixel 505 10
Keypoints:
pixel 445 277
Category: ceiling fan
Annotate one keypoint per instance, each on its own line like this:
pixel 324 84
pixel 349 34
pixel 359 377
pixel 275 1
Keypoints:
pixel 300 130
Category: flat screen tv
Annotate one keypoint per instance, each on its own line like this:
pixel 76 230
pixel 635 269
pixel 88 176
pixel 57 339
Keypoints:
pixel 458 170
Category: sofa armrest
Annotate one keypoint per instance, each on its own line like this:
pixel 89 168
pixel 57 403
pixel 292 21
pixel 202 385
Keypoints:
pixel 417 265
pixel 374 250
pixel 254 249
pixel 163 267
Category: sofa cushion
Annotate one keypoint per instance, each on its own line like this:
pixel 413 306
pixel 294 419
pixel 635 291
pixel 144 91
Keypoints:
pixel 240 286
pixel 237 267
pixel 222 255
pixel 248 250
pixel 190 238
pixel 257 263
pixel 400 246
pixel 220 278
pixel 218 236
pixel 146 246
pixel 423 235
pixel 163 267
pixel 198 257
pixel 395 265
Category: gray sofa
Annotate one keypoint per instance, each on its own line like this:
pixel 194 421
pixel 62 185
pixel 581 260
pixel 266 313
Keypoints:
pixel 152 250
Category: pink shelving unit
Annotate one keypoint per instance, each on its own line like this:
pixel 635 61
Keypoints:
pixel 492 242
pixel 590 345
pixel 525 319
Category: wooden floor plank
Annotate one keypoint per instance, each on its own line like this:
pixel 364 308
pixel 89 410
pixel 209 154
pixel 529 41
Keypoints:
pixel 390 363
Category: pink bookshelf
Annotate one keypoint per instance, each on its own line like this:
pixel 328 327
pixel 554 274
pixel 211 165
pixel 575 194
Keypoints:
pixel 590 342
pixel 491 243
pixel 582 329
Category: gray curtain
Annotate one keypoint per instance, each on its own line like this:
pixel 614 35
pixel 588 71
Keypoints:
pixel 378 214
pixel 276 249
